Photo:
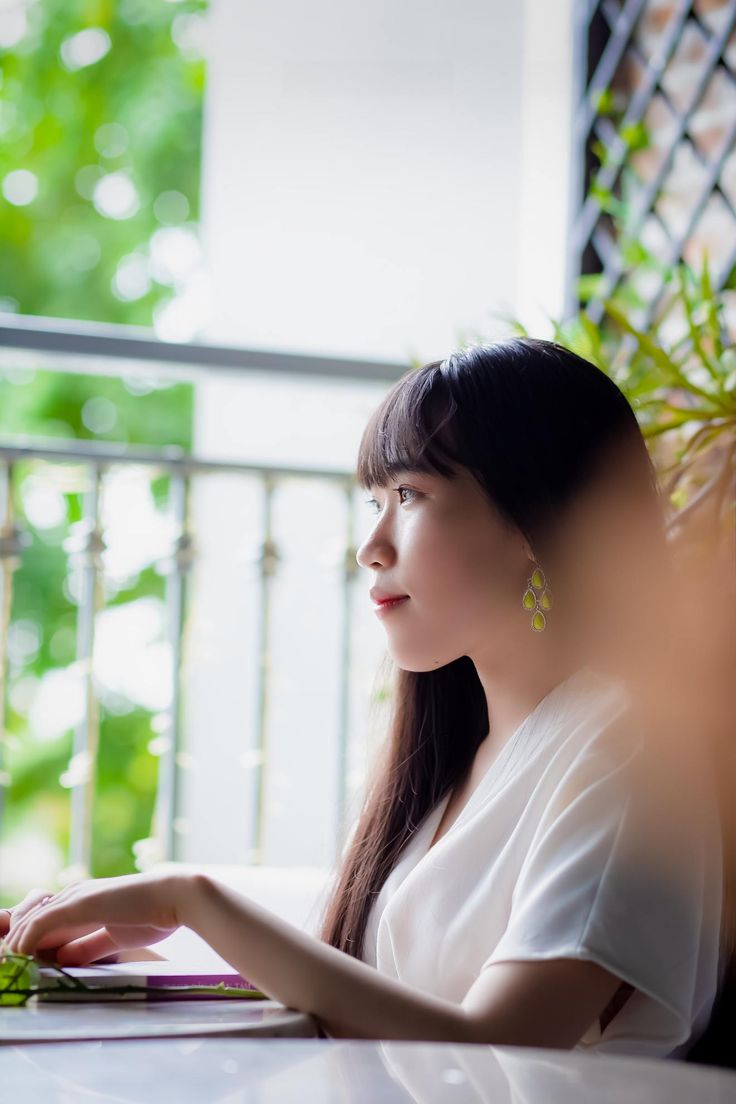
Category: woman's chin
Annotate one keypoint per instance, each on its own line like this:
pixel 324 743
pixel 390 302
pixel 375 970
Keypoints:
pixel 419 663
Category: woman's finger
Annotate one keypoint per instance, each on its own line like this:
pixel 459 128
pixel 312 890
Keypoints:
pixel 20 913
pixel 88 948
pixel 49 926
pixel 16 914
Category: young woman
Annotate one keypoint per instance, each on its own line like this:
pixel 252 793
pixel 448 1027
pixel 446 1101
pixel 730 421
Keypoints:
pixel 527 867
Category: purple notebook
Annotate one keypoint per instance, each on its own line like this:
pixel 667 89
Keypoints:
pixel 159 975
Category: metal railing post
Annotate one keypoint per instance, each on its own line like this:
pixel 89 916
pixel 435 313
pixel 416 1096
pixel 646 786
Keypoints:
pixel 268 560
pixel 12 542
pixel 349 572
pixel 176 568
pixel 85 545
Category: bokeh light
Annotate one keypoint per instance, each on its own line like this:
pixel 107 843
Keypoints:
pixel 132 279
pixel 20 187
pixel 85 48
pixel 115 196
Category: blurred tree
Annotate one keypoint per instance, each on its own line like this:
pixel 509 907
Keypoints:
pixel 100 120
pixel 100 149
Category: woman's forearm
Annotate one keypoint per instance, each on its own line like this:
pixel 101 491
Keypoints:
pixel 348 997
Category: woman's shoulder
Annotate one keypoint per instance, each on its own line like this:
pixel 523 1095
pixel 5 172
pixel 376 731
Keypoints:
pixel 628 758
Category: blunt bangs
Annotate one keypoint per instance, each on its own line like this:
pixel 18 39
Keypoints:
pixel 411 430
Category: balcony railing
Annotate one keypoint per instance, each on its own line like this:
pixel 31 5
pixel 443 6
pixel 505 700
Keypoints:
pixel 114 349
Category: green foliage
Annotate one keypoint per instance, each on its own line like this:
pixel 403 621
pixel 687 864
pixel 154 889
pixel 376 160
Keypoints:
pixel 19 976
pixel 136 112
pixel 686 376
pixel 679 374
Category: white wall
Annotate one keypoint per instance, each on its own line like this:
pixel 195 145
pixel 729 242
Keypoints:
pixel 379 178
pixel 363 161
pixel 548 175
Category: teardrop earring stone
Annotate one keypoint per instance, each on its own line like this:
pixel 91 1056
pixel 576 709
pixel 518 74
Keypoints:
pixel 538 621
pixel 529 600
pixel 537 578
pixel 546 600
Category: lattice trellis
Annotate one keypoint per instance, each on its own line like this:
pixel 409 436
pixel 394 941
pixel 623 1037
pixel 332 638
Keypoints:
pixel 655 127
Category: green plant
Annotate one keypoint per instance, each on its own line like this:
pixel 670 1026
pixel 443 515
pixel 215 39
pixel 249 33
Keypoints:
pixel 77 125
pixel 679 374
pixel 19 976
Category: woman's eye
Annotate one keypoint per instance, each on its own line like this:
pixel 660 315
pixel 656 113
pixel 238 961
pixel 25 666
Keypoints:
pixel 372 502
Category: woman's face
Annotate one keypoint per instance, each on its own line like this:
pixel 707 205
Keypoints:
pixel 441 542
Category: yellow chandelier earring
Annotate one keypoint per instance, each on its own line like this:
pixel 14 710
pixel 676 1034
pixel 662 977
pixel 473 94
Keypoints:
pixel 537 602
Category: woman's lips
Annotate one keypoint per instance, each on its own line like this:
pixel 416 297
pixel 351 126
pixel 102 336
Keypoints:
pixel 389 604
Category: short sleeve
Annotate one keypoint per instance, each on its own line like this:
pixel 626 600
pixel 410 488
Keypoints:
pixel 624 870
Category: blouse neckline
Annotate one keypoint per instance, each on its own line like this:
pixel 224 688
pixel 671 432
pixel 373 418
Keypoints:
pixel 555 697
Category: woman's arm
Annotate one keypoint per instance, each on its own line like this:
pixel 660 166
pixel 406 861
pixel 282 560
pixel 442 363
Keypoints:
pixel 523 1003
pixel 349 998
pixel 549 1003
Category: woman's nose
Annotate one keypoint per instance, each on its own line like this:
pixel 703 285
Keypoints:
pixel 364 556
pixel 374 551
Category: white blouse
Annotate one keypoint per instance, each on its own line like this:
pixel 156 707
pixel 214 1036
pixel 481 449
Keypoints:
pixel 569 847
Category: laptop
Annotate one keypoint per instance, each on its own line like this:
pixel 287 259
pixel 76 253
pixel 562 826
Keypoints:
pixel 145 980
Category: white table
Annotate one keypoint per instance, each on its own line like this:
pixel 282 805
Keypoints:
pixel 176 1071
pixel 140 1019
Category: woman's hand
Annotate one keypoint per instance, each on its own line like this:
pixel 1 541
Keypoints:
pixel 92 919
pixel 10 917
